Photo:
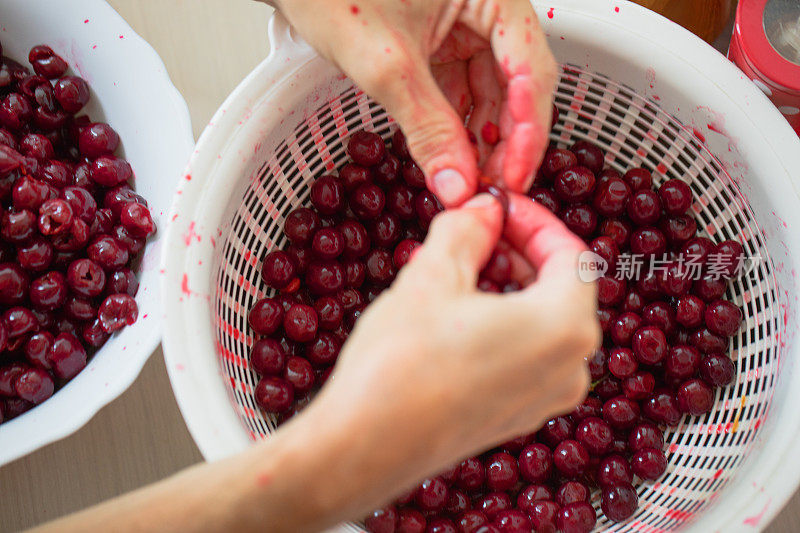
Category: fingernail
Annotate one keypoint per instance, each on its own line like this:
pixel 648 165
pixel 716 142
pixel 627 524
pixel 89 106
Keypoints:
pixel 450 186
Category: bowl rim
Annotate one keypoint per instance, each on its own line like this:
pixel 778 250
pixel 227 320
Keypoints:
pixel 200 392
pixel 49 428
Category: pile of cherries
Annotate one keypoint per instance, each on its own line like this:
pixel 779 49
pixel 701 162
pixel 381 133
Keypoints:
pixel 664 344
pixel 70 228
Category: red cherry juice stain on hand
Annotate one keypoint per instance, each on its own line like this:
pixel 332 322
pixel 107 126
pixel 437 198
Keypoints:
pixel 354 9
pixel 490 133
pixel 551 13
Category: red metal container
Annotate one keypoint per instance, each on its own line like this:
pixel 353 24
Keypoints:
pixel 766 46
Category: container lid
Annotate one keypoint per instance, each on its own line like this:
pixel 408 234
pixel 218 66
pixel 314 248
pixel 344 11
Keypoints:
pixel 769 33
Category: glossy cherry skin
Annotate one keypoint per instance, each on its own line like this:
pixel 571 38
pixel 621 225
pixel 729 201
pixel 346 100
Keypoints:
pixel 353 175
pixel 34 385
pixel 300 374
pixel 638 179
pixel 610 291
pixel 620 412
pixel 301 225
pixel 611 197
pixel 46 62
pixel 300 322
pixel 413 175
pixel 613 470
pixel 367 201
pixel 556 430
pixel 648 242
pixel 619 502
pixel 49 292
pixel 365 148
pixel 554 162
pixel 536 463
pixel 730 258
pixel 662 407
pixel 580 219
pixel 690 311
pixel 574 185
pixel 432 494
pixel 268 357
pixel 86 278
pixel 577 517
pixel 588 155
pixel 380 266
pixel 492 503
pixel 66 356
pixel 274 394
pixel 718 370
pixel 624 327
pixel 328 243
pixel 426 206
pixel 382 520
pixel 400 201
pixel 543 515
pixel 598 363
pixel 638 386
pixel 723 318
pixel 117 311
pixel 678 229
pixel 403 252
pixel 595 435
pixel 512 521
pixel 328 195
pixel 547 198
pixel 37 347
pixel 707 342
pixel 649 345
pixel 695 397
pixel 570 458
pixel 410 521
pixel 386 230
pixel 676 196
pixel 644 207
pixel 97 139
pixel 618 229
pixel 622 362
pixel 709 288
pixel 502 472
pixel 682 362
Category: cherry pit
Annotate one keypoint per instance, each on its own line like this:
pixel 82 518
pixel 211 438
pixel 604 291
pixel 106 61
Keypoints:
pixel 665 337
pixel 71 230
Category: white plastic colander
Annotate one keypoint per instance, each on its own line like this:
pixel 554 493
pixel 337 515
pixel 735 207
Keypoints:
pixel 646 91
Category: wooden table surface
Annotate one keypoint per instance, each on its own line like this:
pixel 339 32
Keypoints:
pixel 208 47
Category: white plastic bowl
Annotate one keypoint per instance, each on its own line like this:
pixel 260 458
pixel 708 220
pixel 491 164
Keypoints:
pixel 650 93
pixel 131 91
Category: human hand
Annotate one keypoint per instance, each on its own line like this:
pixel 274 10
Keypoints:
pixel 431 62
pixel 436 370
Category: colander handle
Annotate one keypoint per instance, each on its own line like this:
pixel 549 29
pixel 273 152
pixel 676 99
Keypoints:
pixel 285 44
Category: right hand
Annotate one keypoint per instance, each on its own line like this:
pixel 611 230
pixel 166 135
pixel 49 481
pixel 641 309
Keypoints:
pixel 436 370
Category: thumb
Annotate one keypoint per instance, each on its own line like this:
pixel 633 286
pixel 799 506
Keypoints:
pixel 434 131
pixel 459 243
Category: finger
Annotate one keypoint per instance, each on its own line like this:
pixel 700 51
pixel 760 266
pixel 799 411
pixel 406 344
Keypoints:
pixel 520 47
pixel 459 243
pixel 521 270
pixel 542 239
pixel 452 80
pixel 434 131
pixel 488 97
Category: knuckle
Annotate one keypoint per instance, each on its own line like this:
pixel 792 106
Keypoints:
pixel 381 78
